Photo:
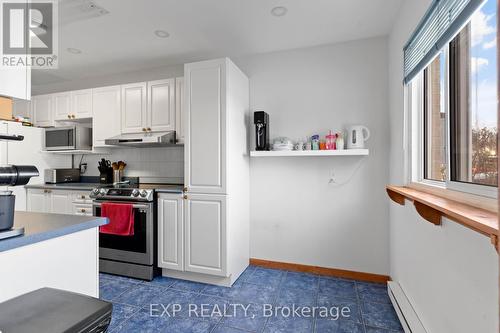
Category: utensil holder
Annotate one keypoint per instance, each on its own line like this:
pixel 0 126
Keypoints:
pixel 117 176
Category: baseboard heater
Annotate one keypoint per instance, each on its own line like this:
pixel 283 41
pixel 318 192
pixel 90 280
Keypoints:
pixel 406 314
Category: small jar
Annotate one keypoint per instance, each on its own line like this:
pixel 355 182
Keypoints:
pixel 339 141
pixel 315 142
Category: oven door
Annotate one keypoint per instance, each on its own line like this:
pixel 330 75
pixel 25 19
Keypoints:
pixel 132 249
pixel 60 138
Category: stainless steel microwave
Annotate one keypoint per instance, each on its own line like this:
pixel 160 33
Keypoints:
pixel 68 138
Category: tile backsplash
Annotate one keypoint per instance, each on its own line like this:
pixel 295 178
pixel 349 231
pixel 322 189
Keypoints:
pixel 166 163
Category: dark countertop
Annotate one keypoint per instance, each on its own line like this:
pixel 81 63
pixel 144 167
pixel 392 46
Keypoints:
pixel 160 188
pixel 64 186
pixel 42 226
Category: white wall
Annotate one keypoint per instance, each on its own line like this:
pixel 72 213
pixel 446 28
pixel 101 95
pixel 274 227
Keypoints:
pixel 296 216
pixel 167 162
pixel 449 273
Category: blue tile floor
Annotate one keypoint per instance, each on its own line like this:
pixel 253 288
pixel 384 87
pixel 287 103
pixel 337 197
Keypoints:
pixel 261 300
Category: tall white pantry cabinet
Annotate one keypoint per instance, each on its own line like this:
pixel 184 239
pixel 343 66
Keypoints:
pixel 208 228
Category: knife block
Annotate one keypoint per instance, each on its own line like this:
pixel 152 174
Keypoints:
pixel 106 177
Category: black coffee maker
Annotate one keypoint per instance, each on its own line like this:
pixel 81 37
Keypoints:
pixel 261 121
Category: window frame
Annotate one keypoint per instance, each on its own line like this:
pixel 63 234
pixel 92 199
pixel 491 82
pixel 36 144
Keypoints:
pixel 414 96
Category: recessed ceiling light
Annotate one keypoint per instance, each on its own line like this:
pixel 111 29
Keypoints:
pixel 279 11
pixel 161 33
pixel 73 50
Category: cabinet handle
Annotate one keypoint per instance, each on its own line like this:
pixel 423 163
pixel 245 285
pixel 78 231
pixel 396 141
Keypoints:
pixel 143 129
pixel 148 129
pixel 73 116
pixel 69 116
pixel 185 196
pixel 44 191
pixel 185 189
pixel 82 210
pixel 83 197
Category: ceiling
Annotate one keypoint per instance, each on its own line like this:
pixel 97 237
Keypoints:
pixel 123 40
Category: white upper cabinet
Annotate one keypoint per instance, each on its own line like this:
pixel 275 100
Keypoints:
pixel 205 126
pixel 179 103
pixel 15 82
pixel 161 106
pixel 42 110
pixel 106 105
pixel 134 107
pixel 62 105
pixel 81 102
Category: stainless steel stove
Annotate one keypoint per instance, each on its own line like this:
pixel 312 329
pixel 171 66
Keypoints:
pixel 122 193
pixel 132 256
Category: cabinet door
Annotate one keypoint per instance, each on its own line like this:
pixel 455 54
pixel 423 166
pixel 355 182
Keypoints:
pixel 82 104
pixel 62 106
pixel 205 125
pixel 83 210
pixel 161 105
pixel 38 201
pixel 179 103
pixel 134 107
pixel 22 108
pixel 106 104
pixel 60 202
pixel 15 81
pixel 205 223
pixel 42 110
pixel 170 231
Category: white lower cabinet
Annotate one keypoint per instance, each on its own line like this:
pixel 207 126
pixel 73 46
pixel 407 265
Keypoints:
pixel 171 231
pixel 38 201
pixel 192 233
pixel 59 202
pixel 206 234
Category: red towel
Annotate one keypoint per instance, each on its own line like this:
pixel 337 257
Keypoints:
pixel 121 219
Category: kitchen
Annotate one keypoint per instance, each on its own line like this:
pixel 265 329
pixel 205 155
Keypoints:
pixel 241 171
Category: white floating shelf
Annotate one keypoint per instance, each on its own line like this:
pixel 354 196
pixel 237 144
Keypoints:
pixel 343 152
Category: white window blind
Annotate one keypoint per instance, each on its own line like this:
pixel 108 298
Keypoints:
pixel 440 24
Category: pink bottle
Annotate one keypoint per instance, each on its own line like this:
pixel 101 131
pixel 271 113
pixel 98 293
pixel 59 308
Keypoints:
pixel 330 141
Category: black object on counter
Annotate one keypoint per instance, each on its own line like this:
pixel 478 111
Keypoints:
pixel 106 171
pixel 261 121
pixel 12 175
pixel 7 205
pixel 49 310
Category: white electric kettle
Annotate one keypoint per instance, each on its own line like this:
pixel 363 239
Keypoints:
pixel 356 136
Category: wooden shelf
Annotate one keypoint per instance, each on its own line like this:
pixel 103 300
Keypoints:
pixel 303 153
pixel 432 208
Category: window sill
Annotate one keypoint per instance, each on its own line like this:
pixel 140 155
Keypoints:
pixel 433 207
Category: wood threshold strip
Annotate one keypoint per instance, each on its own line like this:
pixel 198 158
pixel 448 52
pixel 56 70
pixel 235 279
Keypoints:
pixel 341 273
pixel 433 207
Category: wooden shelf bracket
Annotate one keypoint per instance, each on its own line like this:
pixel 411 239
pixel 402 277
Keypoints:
pixel 428 213
pixel 396 197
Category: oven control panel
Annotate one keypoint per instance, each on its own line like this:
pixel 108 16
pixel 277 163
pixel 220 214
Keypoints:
pixel 133 194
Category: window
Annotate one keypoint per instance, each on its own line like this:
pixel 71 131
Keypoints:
pixel 435 120
pixel 457 101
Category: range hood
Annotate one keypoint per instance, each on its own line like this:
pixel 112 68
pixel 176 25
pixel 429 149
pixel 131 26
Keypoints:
pixel 153 139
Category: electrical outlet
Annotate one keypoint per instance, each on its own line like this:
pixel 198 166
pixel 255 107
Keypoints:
pixel 332 179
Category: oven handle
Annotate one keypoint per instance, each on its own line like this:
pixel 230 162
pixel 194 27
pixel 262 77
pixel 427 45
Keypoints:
pixel 98 204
